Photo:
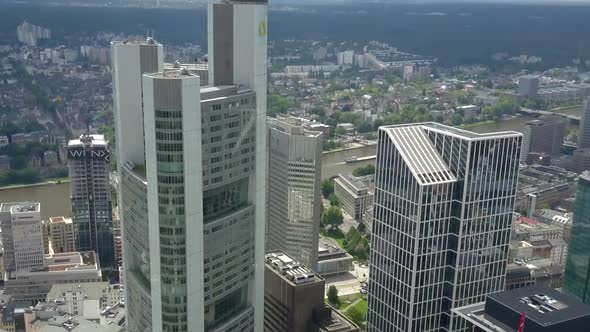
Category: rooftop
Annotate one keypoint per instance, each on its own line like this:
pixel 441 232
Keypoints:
pixel 542 304
pixel 91 290
pixel 353 181
pixel 20 207
pixel 289 269
pixel 147 41
pixel 92 140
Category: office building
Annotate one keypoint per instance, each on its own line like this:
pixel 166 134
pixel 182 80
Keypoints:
pixel 22 235
pixel 443 212
pixel 294 193
pixel 294 299
pixel 90 193
pixel 333 260
pixel 354 195
pixel 61 234
pixel 544 135
pixel 190 267
pixel 545 310
pixel 528 86
pixel 577 277
pixel 33 284
pixel 584 132
pixel 130 61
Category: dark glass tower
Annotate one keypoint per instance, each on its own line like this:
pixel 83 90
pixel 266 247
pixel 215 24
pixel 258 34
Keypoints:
pixel 577 270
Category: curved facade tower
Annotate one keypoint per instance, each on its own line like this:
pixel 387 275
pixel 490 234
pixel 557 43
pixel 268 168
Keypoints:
pixel 192 189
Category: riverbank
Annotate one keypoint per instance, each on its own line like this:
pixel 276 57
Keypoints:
pixel 53 195
pixel 45 182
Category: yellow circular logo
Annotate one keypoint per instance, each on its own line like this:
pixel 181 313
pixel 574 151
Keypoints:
pixel 262 29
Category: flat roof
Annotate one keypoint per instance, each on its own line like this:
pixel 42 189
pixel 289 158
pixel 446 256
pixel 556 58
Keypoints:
pixel 289 269
pixel 20 207
pixel 568 308
pixel 92 140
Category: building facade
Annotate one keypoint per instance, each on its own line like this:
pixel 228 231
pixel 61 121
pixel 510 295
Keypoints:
pixel 90 193
pixel 130 61
pixel 294 195
pixel 353 195
pixel 22 235
pixel 544 135
pixel 577 276
pixel 61 234
pixel 584 132
pixel 443 209
pixel 202 182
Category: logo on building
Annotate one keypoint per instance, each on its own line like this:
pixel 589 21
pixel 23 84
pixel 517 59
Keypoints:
pixel 79 153
pixel 262 29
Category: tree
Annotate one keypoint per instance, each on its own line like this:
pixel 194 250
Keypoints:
pixel 332 217
pixel 362 171
pixel 365 127
pixel 327 188
pixel 333 296
pixel 333 200
pixel 355 315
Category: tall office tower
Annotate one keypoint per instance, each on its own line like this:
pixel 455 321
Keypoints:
pixel 22 235
pixel 294 190
pixel 130 60
pixel 90 193
pixel 544 135
pixel 577 270
pixel 444 201
pixel 584 132
pixel 200 263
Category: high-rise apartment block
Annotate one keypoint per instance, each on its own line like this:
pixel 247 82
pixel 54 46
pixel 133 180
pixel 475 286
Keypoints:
pixel 294 299
pixel 294 195
pixel 584 132
pixel 443 212
pixel 61 234
pixel 577 270
pixel 22 235
pixel 90 193
pixel 544 135
pixel 193 183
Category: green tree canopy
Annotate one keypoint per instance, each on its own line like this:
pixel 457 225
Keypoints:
pixel 327 188
pixel 332 217
pixel 333 296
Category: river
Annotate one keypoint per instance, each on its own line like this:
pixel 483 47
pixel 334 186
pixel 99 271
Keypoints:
pixel 54 197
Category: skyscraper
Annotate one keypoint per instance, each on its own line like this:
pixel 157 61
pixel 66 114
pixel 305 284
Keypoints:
pixel 192 206
pixel 444 200
pixel 90 193
pixel 584 132
pixel 294 190
pixel 577 270
pixel 130 61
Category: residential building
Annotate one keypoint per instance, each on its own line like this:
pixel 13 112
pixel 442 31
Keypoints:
pixel 294 299
pixel 90 192
pixel 528 272
pixel 345 58
pixel 544 309
pixel 86 300
pixel 435 245
pixel 33 284
pixel 61 234
pixel 206 146
pixel 29 34
pixel 50 158
pixel 22 235
pixel 576 277
pixel 294 193
pixel 353 194
pixel 528 86
pixel 544 135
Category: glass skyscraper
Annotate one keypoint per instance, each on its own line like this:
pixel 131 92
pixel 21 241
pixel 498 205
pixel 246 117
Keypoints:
pixel 443 208
pixel 576 279
pixel 192 186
